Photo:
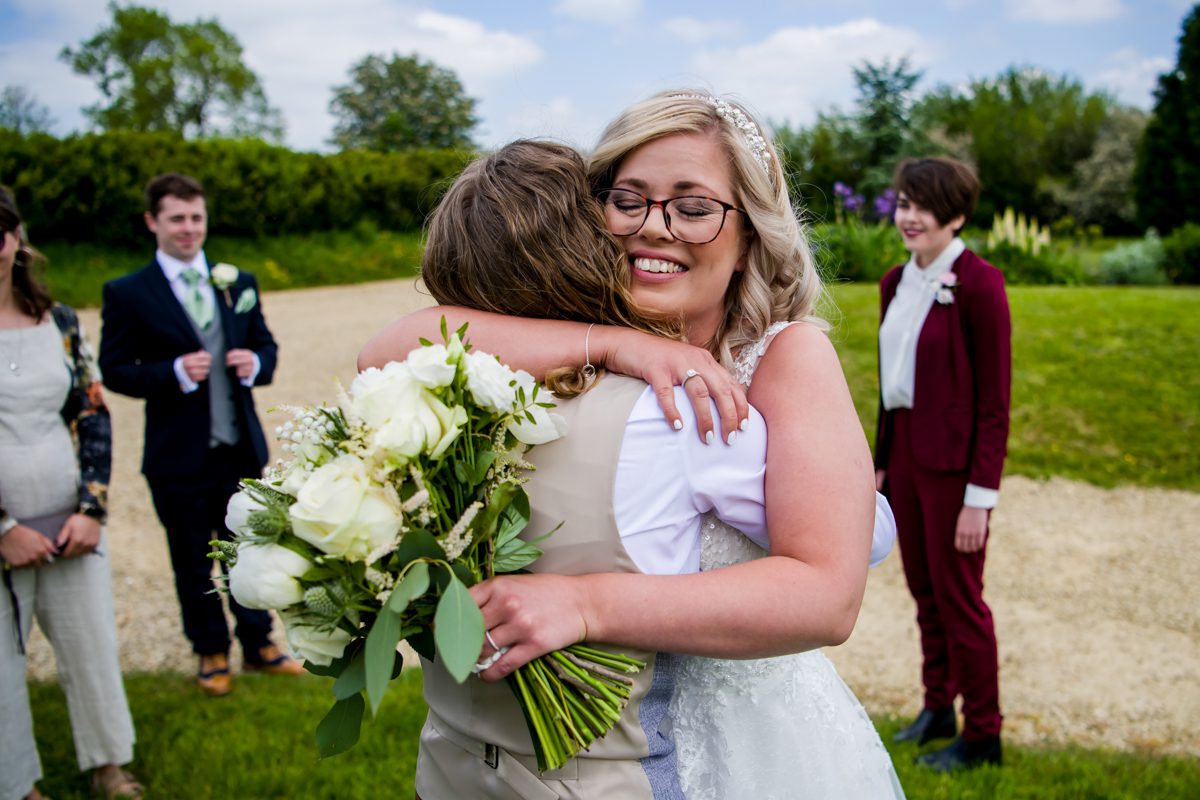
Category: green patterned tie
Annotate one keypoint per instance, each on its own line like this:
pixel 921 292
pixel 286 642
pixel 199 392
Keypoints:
pixel 194 301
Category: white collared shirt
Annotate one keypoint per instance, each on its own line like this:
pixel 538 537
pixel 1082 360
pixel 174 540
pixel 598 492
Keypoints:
pixel 898 335
pixel 173 270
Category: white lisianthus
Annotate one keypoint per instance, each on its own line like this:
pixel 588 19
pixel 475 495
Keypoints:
pixel 341 511
pixel 490 382
pixel 311 644
pixel 546 425
pixel 265 576
pixel 377 395
pixel 431 366
pixel 455 350
pixel 294 479
pixel 426 425
pixel 223 275
pixel 237 513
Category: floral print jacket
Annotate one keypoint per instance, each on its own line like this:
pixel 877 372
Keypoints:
pixel 86 416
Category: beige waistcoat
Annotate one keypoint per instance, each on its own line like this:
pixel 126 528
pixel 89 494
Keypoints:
pixel 475 743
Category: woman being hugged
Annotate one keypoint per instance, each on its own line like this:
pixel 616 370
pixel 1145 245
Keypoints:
pixel 944 373
pixel 55 460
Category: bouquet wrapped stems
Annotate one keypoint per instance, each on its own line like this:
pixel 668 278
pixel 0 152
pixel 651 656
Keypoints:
pixel 571 697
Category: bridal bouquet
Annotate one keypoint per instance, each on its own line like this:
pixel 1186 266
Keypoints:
pixel 392 503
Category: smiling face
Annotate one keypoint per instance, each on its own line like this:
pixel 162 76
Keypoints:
pixel 179 226
pixel 671 277
pixel 923 235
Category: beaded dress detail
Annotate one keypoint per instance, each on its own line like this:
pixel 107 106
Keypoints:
pixel 785 727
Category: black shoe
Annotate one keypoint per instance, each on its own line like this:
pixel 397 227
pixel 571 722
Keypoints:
pixel 962 754
pixel 929 725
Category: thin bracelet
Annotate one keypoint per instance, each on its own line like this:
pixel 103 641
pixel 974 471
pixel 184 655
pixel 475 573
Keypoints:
pixel 589 371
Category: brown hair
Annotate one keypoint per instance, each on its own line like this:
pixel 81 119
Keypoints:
pixel 173 184
pixel 948 188
pixel 31 295
pixel 519 233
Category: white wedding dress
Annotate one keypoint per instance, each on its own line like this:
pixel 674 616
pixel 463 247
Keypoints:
pixel 785 727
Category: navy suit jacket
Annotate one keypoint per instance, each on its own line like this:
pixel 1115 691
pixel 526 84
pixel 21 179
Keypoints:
pixel 144 329
pixel 963 377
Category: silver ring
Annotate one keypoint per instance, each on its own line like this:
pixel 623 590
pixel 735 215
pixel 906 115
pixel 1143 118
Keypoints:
pixel 490 640
pixel 687 376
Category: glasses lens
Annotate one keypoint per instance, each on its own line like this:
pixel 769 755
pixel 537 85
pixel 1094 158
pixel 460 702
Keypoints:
pixel 624 210
pixel 695 219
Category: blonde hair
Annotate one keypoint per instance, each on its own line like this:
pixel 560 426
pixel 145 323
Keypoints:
pixel 520 233
pixel 780 281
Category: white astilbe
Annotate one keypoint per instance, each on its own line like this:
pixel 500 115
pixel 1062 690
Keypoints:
pixel 379 578
pixel 458 539
pixel 417 501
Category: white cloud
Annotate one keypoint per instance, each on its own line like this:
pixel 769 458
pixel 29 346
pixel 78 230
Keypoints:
pixel 799 71
pixel 1064 12
pixel 606 11
pixel 1132 77
pixel 35 65
pixel 690 29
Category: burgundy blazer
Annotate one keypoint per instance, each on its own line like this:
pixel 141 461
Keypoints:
pixel 963 377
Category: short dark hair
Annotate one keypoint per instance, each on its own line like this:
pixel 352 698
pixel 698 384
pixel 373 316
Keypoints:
pixel 945 186
pixel 172 183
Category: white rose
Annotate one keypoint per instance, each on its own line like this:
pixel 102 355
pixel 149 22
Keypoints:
pixel 341 511
pixel 317 646
pixel 546 426
pixel 431 366
pixel 427 426
pixel 377 395
pixel 265 576
pixel 223 275
pixel 237 513
pixel 489 382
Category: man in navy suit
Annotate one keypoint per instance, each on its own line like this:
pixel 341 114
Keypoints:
pixel 191 341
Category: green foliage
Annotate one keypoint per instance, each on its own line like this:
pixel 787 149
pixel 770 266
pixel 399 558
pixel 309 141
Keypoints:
pixel 1022 266
pixel 1106 380
pixel 88 188
pixel 156 75
pixel 1100 191
pixel 1167 176
pixel 21 112
pixel 884 108
pixel 854 250
pixel 1138 263
pixel 400 104
pixel 1182 251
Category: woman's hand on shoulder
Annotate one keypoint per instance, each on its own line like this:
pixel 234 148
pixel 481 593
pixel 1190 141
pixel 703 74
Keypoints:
pixel 665 364
pixel 25 547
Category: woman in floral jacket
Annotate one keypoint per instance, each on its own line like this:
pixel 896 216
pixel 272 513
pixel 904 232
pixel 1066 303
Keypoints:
pixel 55 461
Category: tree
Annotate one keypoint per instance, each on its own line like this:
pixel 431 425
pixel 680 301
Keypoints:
pixel 884 108
pixel 1167 176
pixel 399 104
pixel 156 75
pixel 1100 191
pixel 21 112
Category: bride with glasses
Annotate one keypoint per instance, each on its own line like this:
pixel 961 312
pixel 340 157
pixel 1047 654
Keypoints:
pixel 698 200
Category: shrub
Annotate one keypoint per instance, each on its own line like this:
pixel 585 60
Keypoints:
pixel 1021 266
pixel 857 251
pixel 88 188
pixel 1137 263
pixel 1182 254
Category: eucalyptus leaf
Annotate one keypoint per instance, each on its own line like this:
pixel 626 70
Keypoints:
pixel 317 574
pixel 339 729
pixel 422 642
pixel 514 518
pixel 414 584
pixel 458 630
pixel 336 667
pixel 380 656
pixel 353 678
pixel 515 555
pixel 417 543
pixel 483 462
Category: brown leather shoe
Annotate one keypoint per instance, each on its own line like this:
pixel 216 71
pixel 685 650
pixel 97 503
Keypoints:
pixel 213 676
pixel 273 661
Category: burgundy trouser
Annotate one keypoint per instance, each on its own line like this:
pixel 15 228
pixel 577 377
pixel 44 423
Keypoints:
pixel 958 638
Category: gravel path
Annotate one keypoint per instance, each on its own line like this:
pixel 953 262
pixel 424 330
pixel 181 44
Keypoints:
pixel 1096 593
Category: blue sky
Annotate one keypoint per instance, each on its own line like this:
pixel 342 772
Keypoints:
pixel 562 68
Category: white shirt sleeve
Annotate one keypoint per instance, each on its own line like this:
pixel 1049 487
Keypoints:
pixel 667 479
pixel 186 384
pixel 884 535
pixel 248 381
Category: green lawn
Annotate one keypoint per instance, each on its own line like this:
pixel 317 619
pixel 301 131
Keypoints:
pixel 257 743
pixel 1106 380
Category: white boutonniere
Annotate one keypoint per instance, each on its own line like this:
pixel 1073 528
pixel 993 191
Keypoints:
pixel 245 301
pixel 946 284
pixel 222 276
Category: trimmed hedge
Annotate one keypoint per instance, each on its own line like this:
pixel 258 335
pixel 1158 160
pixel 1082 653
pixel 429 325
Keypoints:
pixel 88 188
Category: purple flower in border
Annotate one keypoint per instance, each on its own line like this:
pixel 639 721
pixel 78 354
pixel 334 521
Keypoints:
pixel 885 204
pixel 853 203
pixel 842 190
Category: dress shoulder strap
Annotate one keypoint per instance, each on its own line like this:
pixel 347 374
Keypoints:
pixel 748 357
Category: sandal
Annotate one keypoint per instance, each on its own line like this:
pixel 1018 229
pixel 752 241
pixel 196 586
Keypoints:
pixel 115 783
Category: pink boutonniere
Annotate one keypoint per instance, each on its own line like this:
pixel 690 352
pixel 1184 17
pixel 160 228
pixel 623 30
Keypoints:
pixel 946 285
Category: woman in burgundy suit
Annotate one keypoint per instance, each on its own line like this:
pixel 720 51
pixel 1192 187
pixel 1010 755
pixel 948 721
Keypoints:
pixel 945 369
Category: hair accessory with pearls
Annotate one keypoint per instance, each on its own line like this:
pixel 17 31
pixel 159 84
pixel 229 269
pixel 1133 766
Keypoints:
pixel 755 141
